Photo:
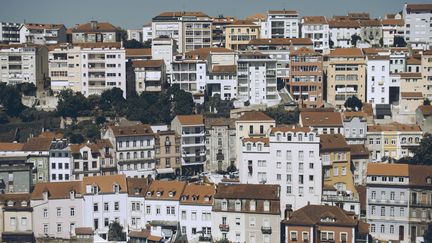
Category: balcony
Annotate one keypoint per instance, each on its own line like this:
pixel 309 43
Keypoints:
pixel 224 228
pixel 193 144
pixel 339 198
pixel 266 230
pixel 421 204
pixel 192 134
pixel 387 201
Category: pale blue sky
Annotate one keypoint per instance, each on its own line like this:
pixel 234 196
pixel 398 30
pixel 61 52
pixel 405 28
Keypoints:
pixel 135 13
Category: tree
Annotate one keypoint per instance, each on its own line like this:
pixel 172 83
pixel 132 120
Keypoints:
pixel 331 43
pixel 399 41
pixel 113 99
pixel 132 44
pixel 182 101
pixel 428 234
pixel 28 89
pixel 3 117
pixel 72 104
pixel 10 97
pixel 100 120
pixel 147 44
pixel 422 153
pixel 115 232
pixel 353 103
pixel 215 106
pixel 354 39
pixel 426 102
pixel 283 116
pixel 76 138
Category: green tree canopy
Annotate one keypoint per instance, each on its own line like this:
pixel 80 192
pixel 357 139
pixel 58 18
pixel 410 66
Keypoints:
pixel 354 39
pixel 422 153
pixel 353 103
pixel 132 44
pixel 399 41
pixel 428 233
pixel 72 104
pixel 115 232
pixel 10 98
pixel 426 102
pixel 283 116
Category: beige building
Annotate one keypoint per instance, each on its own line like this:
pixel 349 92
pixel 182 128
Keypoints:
pixel 426 71
pixel 150 75
pixel 411 82
pixel 239 33
pixel 17 218
pixel 65 67
pixel 167 147
pixel 346 75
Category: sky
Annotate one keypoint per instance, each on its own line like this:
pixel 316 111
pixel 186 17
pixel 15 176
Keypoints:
pixel 136 13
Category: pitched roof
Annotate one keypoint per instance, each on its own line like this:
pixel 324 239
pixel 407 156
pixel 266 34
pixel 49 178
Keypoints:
pixel 348 115
pixel 247 191
pixel 106 182
pixel 83 231
pixel 139 234
pixel 17 199
pixel 107 45
pixel 224 69
pixel 255 116
pixel 406 95
pixel 219 121
pixel 320 118
pixel 281 41
pixel 333 142
pixel 410 75
pixel 317 215
pixel 358 150
pixel 419 174
pixel 198 194
pixel 290 12
pixel 11 146
pixel 336 23
pixel 148 63
pixel 314 20
pixel 168 190
pixel 56 190
pixel 256 139
pixel 397 22
pixel 419 7
pixel 370 23
pixel 134 130
pixel 380 169
pixel 38 26
pixel 99 27
pixel 290 129
pixel 413 61
pixel 191 119
pixel 241 22
pixel 257 16
pixel 37 144
pixel 346 52
pixel 426 110
pixel 204 53
pixel 182 13
pixel 137 186
pixel 394 127
pixel 138 52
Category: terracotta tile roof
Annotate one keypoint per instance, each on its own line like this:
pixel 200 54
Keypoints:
pixel 11 146
pixel 281 41
pixel 426 110
pixel 348 115
pixel 370 23
pixel 137 187
pixel 380 169
pixel 38 144
pixel 138 52
pixel 219 121
pixel 204 53
pixel 140 234
pixel 290 129
pixel 304 51
pixel 427 52
pixel 256 140
pixel 224 69
pixel 346 52
pixel 313 215
pixel 419 174
pixel 255 116
pixel 241 22
pixel 394 127
pixel 17 199
pixel 198 194
pixel 154 238
pixel 56 190
pixel 405 95
pixel 374 51
pixel 333 23
pixel 247 191
pixel 181 14
pixel 108 45
pixel 100 27
pixel 83 231
pixel 37 26
pixel 104 143
pixel 56 135
pixel 321 119
pixel 419 7
pixel 191 119
pixel 358 150
pixel 413 61
pixel 333 142
pixel 397 22
pixel 148 63
pixel 165 189
pixel 378 57
pixel 362 16
pixel 290 12
pixel 314 20
pixel 106 183
pixel 257 16
pixel 410 75
pixel 134 130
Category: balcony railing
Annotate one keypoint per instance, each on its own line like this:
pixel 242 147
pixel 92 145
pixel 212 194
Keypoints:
pixel 333 198
pixel 421 204
pixel 224 227
pixel 266 230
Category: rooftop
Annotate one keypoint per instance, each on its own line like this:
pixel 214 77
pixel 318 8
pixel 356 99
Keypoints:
pixel 255 116
pixel 394 127
pixel 321 119
pixel 94 26
pixel 346 52
pixel 134 130
pixel 281 41
pixel 247 191
pixel 333 142
pixel 198 194
pixel 106 183
pixel 380 169
pixel 56 190
pixel 191 119
pixel 165 190
pixel 320 215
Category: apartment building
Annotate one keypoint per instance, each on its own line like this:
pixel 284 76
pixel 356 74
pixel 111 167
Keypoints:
pixel 355 126
pixel 393 140
pixel 392 28
pixel 103 67
pixel 191 30
pixel 411 82
pixel 239 33
pixel 42 34
pixel 135 34
pixel 306 77
pixel 105 201
pixel 341 32
pixel 164 48
pixel 16 174
pixel 9 32
pixel 23 63
pixel 137 189
pixel 418 31
pixel 319 223
pixel 322 121
pixel 37 154
pixel 196 211
pixel 253 124
pixel 378 79
pixel 95 31
pixel 220 144
pixel 167 149
pixel 17 218
pixel 346 75
pixel 246 213
pixel 426 71
pixel 86 157
pixel 162 203
pixel 65 68
pixel 191 129
pixel 257 83
pixel 58 208
pixel 317 29
pixel 147 32
pixel 289 157
pixel 150 75
pixel 360 160
pixel 190 75
pixel 222 81
pixel 283 24
pixel 218 29
pixel 60 161
pixel 134 149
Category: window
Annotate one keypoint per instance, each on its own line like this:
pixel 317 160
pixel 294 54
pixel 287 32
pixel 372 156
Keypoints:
pixel 373 210
pixel 72 212
pixel 372 228
pixel 183 215
pixel 305 236
pixel 116 206
pixel 106 206
pixel 289 155
pixel 343 237
pixel 45 229
pixel 289 166
pixel 12 221
pixel 327 236
pixel 382 211
pixel 59 228
pixel 391 229
pixel 238 205
pixel 392 211
pixel 266 206
pixel 382 228
pixel 148 210
pixel 59 212
pixel 293 235
pixel 252 222
pixel 237 221
pixel 45 213
pixel 95 207
pixel 193 215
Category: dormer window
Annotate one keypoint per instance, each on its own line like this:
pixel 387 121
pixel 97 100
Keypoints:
pixel 158 194
pixel 95 189
pixel 259 147
pixel 45 195
pixel 72 194
pixel 328 219
pixel 311 137
pixel 194 198
pixel 24 204
pixel 289 137
pixel 278 137
pixel 184 198
pixel 429 180
pixel 300 137
pixel 136 191
pixel 248 146
pixel 238 205
pixel 266 206
pixel 224 205
pixel 171 194
pixel 10 203
pixel 149 194
pixel 252 206
pixel 116 188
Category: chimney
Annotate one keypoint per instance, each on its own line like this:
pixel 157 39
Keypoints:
pixel 93 25
pixel 288 211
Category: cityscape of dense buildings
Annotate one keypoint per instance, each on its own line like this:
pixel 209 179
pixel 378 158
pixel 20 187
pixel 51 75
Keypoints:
pixel 300 129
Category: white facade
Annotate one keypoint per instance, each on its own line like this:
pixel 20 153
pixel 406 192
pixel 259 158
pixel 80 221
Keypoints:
pixel 164 49
pixel 341 36
pixel 147 33
pixel 318 32
pixel 190 75
pixel 42 34
pixel 378 80
pixel 283 24
pixel 418 28
pixel 161 210
pixel 135 34
pixel 9 32
pixel 195 219
pixel 60 165
pixel 224 84
pixel 291 160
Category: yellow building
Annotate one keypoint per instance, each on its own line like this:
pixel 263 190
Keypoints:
pixel 346 75
pixel 336 158
pixel 17 221
pixel 239 33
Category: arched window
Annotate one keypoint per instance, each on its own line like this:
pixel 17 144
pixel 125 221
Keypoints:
pixel 300 137
pixel 417 139
pixel 266 206
pixel 127 155
pixel 311 137
pixel 252 206
pixel 238 205
pixel 121 155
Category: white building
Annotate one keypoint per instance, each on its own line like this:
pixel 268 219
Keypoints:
pixel 341 32
pixel 392 28
pixel 103 67
pixel 283 24
pixel 164 49
pixel 195 211
pixel 378 79
pixel 42 34
pixel 222 80
pixel 317 29
pixel 418 28
pixel 192 131
pixel 150 75
pixel 288 157
pixel 137 189
pixel 58 207
pixel 9 32
pixel 190 75
pixel 135 34
pixel 256 76
pixel 147 32
pixel 60 160
pixel 105 201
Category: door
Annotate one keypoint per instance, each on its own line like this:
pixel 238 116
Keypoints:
pixel 413 233
pixel 401 232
